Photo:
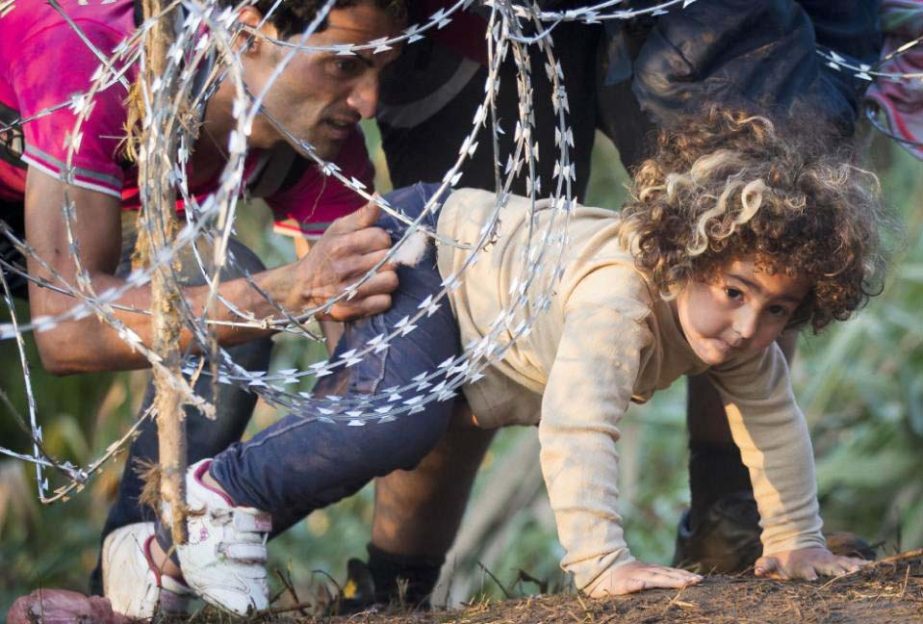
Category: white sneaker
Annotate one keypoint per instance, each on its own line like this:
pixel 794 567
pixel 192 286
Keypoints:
pixel 131 580
pixel 224 560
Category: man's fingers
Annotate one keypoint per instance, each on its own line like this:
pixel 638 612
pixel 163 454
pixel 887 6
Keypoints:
pixel 354 267
pixel 357 308
pixel 383 282
pixel 335 270
pixel 362 218
pixel 372 297
pixel 358 242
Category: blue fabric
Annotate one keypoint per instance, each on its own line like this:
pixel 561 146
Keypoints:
pixel 300 464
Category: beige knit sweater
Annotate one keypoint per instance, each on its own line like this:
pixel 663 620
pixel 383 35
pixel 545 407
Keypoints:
pixel 608 339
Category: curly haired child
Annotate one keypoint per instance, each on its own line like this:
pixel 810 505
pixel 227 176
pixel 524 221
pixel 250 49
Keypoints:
pixel 736 232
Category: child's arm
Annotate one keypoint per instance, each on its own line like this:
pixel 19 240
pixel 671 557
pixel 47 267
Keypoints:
pixel 775 444
pixel 589 388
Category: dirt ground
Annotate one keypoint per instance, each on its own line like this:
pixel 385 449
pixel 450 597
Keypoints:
pixel 889 591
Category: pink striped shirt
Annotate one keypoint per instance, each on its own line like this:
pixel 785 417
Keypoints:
pixel 44 64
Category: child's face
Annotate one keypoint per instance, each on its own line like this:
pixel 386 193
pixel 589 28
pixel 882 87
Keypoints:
pixel 741 311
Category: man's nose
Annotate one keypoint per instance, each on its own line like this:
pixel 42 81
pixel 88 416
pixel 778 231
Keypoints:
pixel 364 95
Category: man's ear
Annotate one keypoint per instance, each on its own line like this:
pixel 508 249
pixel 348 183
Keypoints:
pixel 250 18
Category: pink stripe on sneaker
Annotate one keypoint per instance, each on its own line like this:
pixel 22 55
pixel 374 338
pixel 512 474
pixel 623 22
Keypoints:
pixel 158 574
pixel 198 476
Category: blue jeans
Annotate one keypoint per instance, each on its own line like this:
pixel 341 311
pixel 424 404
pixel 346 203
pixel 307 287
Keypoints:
pixel 300 464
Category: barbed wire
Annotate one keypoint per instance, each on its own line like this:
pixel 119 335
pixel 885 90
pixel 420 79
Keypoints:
pixel 206 54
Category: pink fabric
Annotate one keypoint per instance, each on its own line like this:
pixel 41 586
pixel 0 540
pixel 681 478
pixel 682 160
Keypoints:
pixel 312 203
pixel 464 34
pixel 901 101
pixel 43 63
pixel 308 206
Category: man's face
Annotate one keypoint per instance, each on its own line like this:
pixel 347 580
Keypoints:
pixel 741 311
pixel 320 96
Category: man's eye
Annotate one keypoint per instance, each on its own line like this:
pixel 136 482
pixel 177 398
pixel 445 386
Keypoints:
pixel 344 67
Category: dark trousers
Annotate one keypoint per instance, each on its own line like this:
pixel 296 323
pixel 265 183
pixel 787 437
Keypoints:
pixel 13 214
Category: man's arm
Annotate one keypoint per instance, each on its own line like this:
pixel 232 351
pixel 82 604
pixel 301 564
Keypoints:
pixel 348 249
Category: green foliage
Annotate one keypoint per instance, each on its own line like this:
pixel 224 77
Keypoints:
pixel 862 387
pixel 55 546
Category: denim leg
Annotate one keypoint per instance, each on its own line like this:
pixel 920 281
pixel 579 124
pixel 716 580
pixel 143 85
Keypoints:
pixel 205 437
pixel 300 464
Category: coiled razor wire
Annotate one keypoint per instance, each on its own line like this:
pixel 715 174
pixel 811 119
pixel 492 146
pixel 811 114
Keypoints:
pixel 205 38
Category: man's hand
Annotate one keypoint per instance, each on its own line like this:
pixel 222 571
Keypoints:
pixel 637 576
pixel 347 250
pixel 806 563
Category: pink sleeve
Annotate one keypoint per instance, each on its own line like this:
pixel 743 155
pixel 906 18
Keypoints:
pixel 316 200
pixel 55 65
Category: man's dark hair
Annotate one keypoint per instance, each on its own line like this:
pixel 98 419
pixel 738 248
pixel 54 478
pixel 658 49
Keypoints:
pixel 292 17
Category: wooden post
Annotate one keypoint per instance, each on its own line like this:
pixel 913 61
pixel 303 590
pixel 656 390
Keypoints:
pixel 156 158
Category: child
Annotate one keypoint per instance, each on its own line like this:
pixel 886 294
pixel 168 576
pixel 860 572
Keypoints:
pixel 736 232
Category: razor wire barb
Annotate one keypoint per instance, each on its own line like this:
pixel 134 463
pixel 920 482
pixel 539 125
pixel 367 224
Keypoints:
pixel 204 46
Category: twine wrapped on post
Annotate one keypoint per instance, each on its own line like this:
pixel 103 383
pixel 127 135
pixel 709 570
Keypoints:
pixel 156 151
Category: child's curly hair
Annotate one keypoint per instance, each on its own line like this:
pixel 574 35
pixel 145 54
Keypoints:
pixel 728 184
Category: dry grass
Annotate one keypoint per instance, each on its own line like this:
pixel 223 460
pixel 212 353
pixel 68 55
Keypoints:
pixel 890 590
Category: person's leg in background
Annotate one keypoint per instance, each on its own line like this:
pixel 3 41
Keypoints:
pixel 429 96
pixel 205 437
pixel 405 556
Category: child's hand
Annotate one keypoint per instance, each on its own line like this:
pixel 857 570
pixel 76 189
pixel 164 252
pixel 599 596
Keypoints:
pixel 637 576
pixel 806 563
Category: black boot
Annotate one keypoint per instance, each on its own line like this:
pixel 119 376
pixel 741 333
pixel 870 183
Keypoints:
pixel 724 539
pixel 388 580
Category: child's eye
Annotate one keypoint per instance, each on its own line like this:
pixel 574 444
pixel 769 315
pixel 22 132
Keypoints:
pixel 733 293
pixel 778 311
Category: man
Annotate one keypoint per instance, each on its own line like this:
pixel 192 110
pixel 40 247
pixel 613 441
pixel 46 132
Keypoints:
pixel 319 98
